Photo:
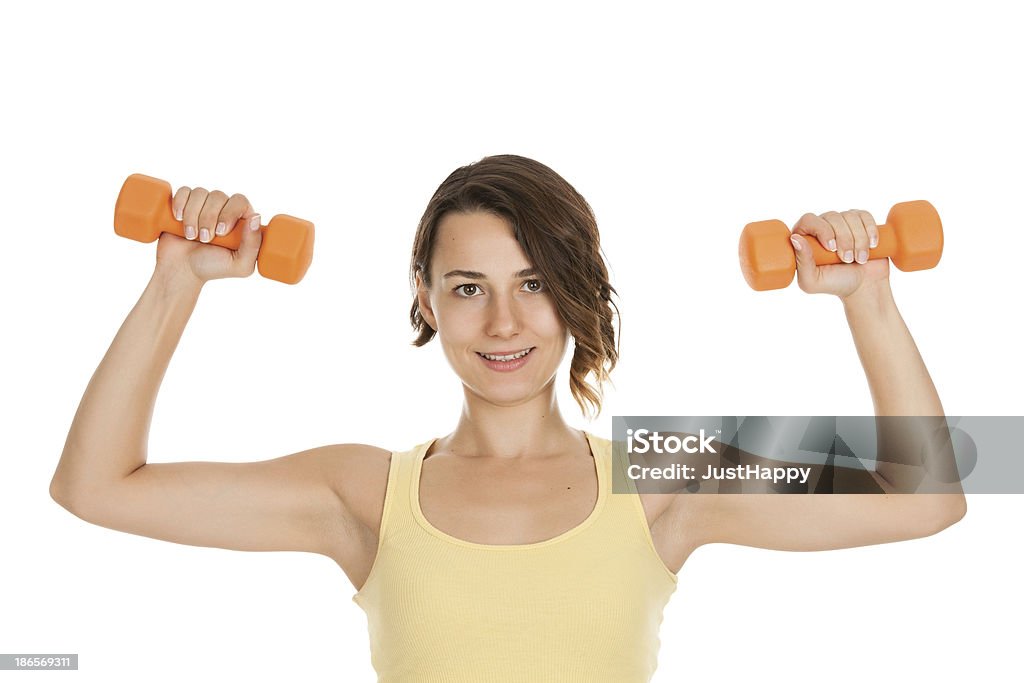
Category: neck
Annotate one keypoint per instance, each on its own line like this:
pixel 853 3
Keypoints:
pixel 534 428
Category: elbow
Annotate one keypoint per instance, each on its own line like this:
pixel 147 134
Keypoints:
pixel 59 493
pixel 56 491
pixel 946 516
pixel 63 495
pixel 80 498
pixel 959 510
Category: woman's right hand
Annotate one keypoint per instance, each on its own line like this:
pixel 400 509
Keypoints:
pixel 205 215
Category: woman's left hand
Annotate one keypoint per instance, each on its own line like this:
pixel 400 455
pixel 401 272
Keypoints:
pixel 852 234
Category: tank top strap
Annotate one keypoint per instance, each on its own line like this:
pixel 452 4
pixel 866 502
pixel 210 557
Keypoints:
pixel 398 498
pixel 627 519
pixel 619 461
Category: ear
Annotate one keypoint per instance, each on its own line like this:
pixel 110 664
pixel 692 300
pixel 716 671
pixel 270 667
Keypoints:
pixel 423 300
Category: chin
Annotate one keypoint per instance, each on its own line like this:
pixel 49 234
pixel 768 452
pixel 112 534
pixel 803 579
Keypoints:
pixel 508 401
pixel 511 393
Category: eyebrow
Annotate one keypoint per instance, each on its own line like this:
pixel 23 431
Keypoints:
pixel 477 275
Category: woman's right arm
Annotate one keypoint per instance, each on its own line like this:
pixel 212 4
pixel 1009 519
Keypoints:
pixel 309 501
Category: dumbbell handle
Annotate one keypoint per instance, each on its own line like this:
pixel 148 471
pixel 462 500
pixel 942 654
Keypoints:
pixel 886 247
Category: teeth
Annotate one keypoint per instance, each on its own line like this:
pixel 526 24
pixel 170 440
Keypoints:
pixel 506 358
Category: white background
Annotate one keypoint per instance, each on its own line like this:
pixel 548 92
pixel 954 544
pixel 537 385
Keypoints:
pixel 678 124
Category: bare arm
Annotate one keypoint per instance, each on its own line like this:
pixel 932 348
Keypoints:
pixel 900 386
pixel 296 502
pixel 108 437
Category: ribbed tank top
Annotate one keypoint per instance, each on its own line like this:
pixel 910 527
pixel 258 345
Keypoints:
pixel 584 606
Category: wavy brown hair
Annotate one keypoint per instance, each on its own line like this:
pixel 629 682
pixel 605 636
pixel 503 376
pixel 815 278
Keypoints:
pixel 557 230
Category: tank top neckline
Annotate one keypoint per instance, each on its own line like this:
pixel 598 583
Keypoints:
pixel 417 512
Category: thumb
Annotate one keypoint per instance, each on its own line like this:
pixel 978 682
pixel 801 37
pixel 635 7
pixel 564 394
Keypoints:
pixel 806 269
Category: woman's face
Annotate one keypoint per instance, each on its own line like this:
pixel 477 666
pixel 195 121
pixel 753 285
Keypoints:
pixel 485 300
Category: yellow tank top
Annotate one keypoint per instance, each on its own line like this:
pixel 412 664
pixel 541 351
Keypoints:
pixel 583 606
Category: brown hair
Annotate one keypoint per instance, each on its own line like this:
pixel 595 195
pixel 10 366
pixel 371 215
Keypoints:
pixel 557 230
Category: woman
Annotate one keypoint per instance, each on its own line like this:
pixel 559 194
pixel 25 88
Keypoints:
pixel 497 552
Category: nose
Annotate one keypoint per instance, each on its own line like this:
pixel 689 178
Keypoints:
pixel 503 317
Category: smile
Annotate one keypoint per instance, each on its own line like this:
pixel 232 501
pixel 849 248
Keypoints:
pixel 508 362
pixel 506 357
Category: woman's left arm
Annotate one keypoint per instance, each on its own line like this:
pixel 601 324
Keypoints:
pixel 900 386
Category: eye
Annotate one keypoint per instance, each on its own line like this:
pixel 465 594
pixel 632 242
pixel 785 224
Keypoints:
pixel 538 288
pixel 464 287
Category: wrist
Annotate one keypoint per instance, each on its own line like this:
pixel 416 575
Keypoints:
pixel 176 279
pixel 871 296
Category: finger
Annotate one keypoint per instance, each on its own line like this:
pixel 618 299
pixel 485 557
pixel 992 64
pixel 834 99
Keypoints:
pixel 844 236
pixel 178 203
pixel 869 224
pixel 807 272
pixel 249 248
pixel 860 234
pixel 816 226
pixel 234 209
pixel 190 214
pixel 251 219
pixel 215 201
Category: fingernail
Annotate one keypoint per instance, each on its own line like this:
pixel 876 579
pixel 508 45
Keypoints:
pixel 831 245
pixel 254 223
pixel 177 214
pixel 848 256
pixel 204 235
pixel 796 243
pixel 862 256
pixel 221 228
pixel 190 232
pixel 874 241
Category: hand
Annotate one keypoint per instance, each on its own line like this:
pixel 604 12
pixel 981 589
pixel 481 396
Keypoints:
pixel 852 234
pixel 204 215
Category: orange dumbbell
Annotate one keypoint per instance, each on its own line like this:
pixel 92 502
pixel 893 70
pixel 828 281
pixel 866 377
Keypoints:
pixel 143 211
pixel 911 236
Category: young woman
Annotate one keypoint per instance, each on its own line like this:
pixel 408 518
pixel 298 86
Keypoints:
pixel 497 552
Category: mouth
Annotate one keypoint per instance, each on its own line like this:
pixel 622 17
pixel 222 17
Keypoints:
pixel 506 361
pixel 506 355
